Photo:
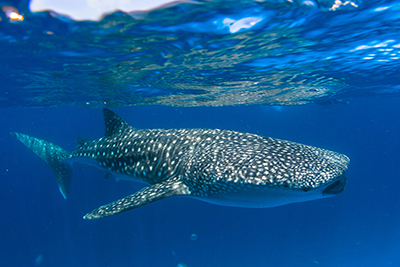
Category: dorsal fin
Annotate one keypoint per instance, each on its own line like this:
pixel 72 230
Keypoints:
pixel 82 141
pixel 114 123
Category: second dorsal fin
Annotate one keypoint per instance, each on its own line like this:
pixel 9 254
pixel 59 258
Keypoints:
pixel 82 141
pixel 114 123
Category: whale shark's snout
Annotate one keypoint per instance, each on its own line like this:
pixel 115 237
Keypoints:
pixel 337 165
pixel 341 163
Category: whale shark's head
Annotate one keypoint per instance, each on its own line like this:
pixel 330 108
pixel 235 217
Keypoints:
pixel 326 176
pixel 325 173
pixel 280 172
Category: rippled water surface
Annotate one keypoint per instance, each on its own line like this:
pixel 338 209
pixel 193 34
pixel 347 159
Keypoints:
pixel 211 53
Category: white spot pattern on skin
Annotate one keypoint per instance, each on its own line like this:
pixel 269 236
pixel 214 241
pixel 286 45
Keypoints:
pixel 208 159
pixel 196 162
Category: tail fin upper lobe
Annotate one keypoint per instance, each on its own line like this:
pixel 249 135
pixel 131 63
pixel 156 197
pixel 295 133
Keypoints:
pixel 54 156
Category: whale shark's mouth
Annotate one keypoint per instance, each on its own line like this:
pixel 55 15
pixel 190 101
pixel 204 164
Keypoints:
pixel 336 187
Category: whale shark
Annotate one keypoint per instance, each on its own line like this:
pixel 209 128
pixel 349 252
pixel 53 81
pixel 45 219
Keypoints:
pixel 223 167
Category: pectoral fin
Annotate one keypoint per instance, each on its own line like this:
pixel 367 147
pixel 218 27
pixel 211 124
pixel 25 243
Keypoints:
pixel 147 195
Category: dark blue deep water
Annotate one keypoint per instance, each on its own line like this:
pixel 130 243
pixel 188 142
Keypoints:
pixel 334 72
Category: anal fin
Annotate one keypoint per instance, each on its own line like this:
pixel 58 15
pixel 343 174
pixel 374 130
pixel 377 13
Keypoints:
pixel 147 195
pixel 108 175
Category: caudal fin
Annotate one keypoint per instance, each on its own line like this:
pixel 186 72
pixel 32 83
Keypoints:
pixel 54 156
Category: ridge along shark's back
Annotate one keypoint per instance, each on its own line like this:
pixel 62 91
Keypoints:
pixel 218 166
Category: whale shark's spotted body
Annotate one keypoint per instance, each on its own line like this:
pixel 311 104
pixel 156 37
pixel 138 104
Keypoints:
pixel 218 166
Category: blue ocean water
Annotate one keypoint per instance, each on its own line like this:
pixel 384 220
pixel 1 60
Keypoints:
pixel 183 59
